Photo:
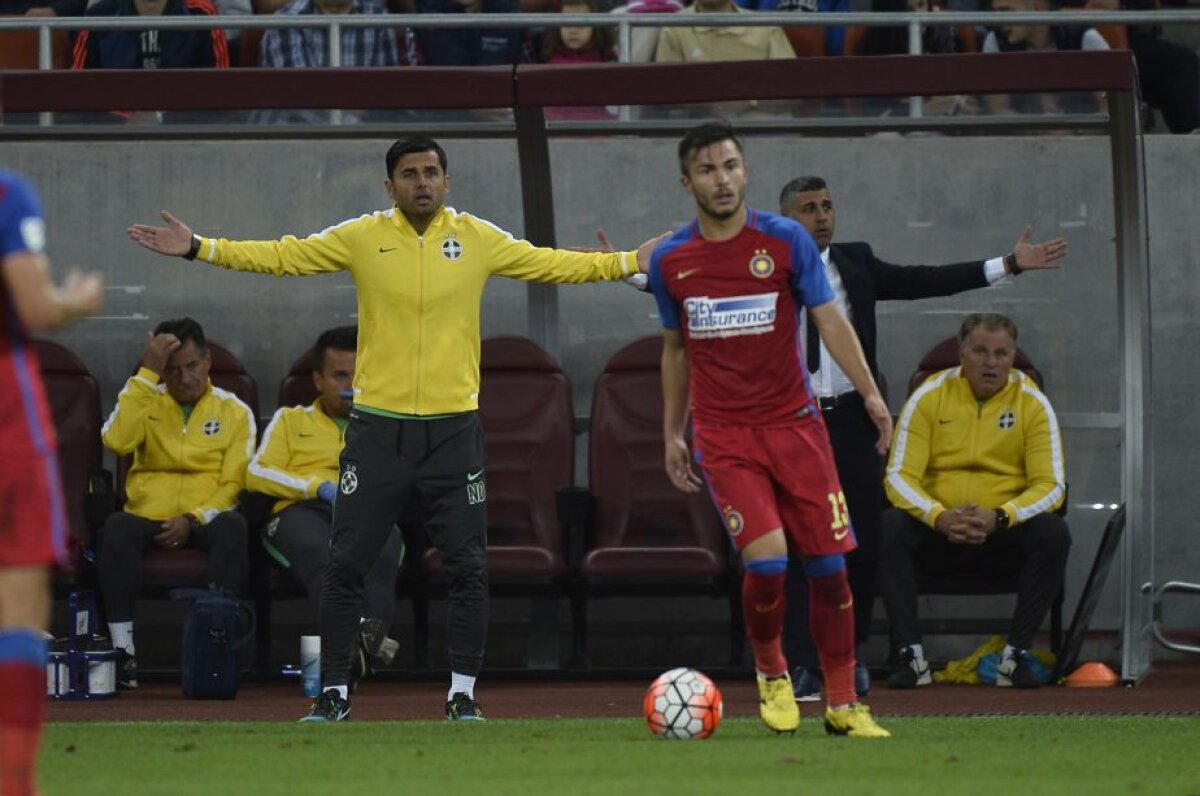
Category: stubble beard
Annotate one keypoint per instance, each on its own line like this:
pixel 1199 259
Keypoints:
pixel 706 210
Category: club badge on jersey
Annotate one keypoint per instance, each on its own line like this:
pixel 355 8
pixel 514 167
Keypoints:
pixel 762 264
pixel 733 520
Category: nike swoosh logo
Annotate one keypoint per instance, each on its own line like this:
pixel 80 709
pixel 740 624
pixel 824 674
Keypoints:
pixel 686 274
pixel 762 609
pixel 942 420
pixel 846 604
pixel 385 251
pixel 837 537
pixel 474 476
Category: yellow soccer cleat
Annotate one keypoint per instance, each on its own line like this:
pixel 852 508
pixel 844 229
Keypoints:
pixel 777 703
pixel 855 721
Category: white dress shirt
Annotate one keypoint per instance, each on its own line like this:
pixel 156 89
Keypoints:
pixel 830 380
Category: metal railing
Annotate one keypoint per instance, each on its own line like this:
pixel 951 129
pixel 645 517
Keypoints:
pixel 625 23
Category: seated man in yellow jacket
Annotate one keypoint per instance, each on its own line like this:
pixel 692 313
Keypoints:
pixel 298 463
pixel 191 443
pixel 975 474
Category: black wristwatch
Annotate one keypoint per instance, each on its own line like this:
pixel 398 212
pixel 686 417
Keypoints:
pixel 1010 264
pixel 194 249
pixel 1001 519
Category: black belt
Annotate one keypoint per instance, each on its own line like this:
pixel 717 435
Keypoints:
pixel 830 402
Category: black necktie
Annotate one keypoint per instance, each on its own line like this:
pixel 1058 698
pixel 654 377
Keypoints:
pixel 812 345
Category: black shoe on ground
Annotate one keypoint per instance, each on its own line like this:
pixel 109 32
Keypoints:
pixel 862 679
pixel 126 670
pixel 1015 672
pixel 913 671
pixel 462 708
pixel 329 706
pixel 806 686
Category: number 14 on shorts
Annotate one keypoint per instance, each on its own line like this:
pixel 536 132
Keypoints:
pixel 841 515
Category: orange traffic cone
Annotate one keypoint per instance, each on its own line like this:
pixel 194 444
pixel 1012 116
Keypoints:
pixel 1093 675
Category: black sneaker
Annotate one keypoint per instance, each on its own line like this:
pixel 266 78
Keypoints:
pixel 462 708
pixel 913 671
pixel 806 686
pixel 1015 672
pixel 126 670
pixel 329 706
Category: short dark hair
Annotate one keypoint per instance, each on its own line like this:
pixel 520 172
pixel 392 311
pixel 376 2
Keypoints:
pixel 339 338
pixel 409 145
pixel 800 185
pixel 705 135
pixel 184 329
pixel 988 320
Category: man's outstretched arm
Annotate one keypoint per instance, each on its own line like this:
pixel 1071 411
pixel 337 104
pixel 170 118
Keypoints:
pixel 319 253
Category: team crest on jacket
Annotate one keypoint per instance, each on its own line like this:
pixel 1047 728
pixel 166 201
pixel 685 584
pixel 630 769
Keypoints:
pixel 761 264
pixel 451 248
pixel 733 520
pixel 212 427
pixel 1007 420
pixel 349 479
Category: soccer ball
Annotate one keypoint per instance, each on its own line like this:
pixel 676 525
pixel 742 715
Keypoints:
pixel 683 704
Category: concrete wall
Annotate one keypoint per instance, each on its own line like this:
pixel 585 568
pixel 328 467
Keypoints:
pixel 916 199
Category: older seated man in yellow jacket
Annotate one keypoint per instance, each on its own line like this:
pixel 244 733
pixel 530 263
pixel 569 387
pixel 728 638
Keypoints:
pixel 298 463
pixel 975 474
pixel 191 443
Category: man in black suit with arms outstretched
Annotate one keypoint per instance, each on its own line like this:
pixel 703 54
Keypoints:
pixel 859 279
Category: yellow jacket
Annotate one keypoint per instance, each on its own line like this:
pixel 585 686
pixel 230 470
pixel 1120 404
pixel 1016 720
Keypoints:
pixel 418 296
pixel 949 450
pixel 196 468
pixel 299 452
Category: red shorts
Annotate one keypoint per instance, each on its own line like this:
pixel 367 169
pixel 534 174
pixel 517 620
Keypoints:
pixel 766 477
pixel 33 516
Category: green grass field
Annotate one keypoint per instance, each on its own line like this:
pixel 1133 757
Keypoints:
pixel 1010 756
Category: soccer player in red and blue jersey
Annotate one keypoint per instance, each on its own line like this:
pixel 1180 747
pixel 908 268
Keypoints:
pixel 730 286
pixel 33 521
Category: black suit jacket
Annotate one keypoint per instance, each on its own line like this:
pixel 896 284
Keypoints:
pixel 867 279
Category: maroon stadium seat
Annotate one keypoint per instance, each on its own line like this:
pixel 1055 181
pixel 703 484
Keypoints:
pixel 74 399
pixel 525 407
pixel 645 536
pixel 945 355
pixel 297 388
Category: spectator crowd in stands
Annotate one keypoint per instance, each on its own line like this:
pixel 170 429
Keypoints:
pixel 1169 71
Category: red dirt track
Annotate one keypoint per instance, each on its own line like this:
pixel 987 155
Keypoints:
pixel 1172 687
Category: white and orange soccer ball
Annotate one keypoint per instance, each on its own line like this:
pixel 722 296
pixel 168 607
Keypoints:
pixel 683 704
